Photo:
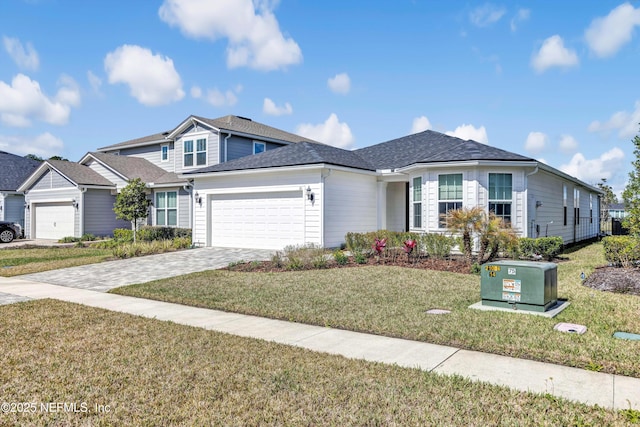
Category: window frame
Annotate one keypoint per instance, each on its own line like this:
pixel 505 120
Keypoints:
pixel 166 209
pixel 164 150
pixel 564 203
pixel 417 202
pixel 449 203
pixel 497 201
pixel 259 143
pixel 195 153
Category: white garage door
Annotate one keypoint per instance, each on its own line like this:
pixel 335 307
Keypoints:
pixel 54 220
pixel 262 220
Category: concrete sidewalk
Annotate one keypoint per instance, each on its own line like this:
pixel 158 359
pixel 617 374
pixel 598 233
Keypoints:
pixel 593 388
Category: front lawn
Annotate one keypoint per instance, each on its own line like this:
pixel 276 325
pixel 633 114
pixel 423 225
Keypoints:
pixel 392 301
pixel 117 369
pixel 17 261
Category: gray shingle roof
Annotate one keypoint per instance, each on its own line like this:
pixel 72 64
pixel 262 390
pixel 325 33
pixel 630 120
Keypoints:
pixel 14 170
pixel 80 174
pixel 430 146
pixel 136 167
pixel 156 137
pixel 304 153
pixel 248 126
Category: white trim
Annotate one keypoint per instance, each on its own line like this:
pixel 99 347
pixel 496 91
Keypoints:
pixel 264 144
pixel 247 190
pixel 438 200
pixel 194 137
pixel 50 190
pixel 162 147
pixel 277 169
pixel 468 163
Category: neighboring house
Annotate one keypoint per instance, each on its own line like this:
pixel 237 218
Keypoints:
pixel 315 193
pixel 72 199
pixel 13 171
pixel 617 210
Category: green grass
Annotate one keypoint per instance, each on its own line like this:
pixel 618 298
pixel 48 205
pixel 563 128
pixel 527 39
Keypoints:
pixel 145 372
pixel 392 301
pixel 16 261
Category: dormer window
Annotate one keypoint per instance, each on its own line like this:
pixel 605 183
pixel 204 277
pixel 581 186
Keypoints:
pixel 258 147
pixel 200 151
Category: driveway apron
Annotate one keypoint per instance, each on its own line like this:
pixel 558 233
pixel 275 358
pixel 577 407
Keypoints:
pixel 104 276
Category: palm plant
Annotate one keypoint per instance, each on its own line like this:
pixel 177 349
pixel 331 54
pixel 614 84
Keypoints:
pixel 495 234
pixel 467 222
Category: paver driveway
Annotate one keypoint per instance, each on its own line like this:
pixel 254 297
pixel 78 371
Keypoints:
pixel 112 274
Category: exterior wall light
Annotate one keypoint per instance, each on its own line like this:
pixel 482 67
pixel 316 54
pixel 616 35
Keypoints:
pixel 198 198
pixel 26 206
pixel 310 195
pixel 74 203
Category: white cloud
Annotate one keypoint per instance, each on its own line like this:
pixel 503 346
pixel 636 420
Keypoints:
pixel 553 54
pixel 536 142
pixel 152 79
pixel 25 56
pixel 330 132
pixel 593 170
pixel 196 92
pixel 625 122
pixel 568 144
pixel 521 16
pixel 251 28
pixel 44 145
pixel 220 99
pixel 485 15
pixel 420 124
pixel 269 107
pixel 341 84
pixel 95 82
pixel 605 36
pixel 470 132
pixel 23 101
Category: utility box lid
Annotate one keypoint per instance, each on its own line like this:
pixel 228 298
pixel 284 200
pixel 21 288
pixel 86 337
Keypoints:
pixel 522 285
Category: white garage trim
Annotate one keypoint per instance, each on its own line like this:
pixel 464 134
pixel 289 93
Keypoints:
pixel 53 220
pixel 265 220
pixel 270 189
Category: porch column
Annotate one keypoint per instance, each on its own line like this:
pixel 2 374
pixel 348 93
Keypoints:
pixel 382 205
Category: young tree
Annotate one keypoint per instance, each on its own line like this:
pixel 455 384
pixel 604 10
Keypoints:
pixel 631 193
pixel 467 222
pixel 132 203
pixel 608 198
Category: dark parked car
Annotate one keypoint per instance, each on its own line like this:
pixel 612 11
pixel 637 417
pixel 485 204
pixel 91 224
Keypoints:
pixel 9 231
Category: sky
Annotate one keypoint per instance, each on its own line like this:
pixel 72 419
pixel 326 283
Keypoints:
pixel 555 81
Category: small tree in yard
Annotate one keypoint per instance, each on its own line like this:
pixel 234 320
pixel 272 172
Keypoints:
pixel 132 203
pixel 631 194
pixel 608 198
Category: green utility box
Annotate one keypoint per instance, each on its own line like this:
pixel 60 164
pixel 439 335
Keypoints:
pixel 522 285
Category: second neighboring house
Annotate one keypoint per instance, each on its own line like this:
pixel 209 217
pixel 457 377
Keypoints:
pixel 13 171
pixel 71 199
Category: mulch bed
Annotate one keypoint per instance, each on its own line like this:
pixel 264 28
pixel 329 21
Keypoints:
pixel 615 279
pixel 453 264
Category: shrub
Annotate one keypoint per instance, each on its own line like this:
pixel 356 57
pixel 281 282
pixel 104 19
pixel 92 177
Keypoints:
pixel 129 250
pixel 319 261
pixel 359 257
pixel 545 247
pixel 436 245
pixel 150 233
pixel 340 257
pixel 123 235
pixel 277 260
pixel 621 250
pixel 305 256
pixel 364 242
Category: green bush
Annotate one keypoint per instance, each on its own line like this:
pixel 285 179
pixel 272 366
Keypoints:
pixel 150 233
pixel 359 257
pixel 304 256
pixel 545 247
pixel 621 250
pixel 340 257
pixel 130 250
pixel 436 245
pixel 85 238
pixel 123 235
pixel 363 242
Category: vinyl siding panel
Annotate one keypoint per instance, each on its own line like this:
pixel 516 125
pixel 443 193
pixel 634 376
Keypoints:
pixel 152 153
pixel 213 147
pixel 107 173
pixel 240 147
pixel 50 180
pixel 99 217
pixel 351 205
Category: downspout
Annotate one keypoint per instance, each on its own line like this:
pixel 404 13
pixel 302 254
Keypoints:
pixel 226 138
pixel 81 209
pixel 526 211
pixel 323 200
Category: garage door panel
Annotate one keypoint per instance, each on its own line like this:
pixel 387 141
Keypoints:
pixel 54 220
pixel 258 220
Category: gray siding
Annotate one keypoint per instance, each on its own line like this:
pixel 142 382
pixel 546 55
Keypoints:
pixel 99 218
pixel 50 180
pixel 213 148
pixel 240 147
pixel 107 173
pixel 14 208
pixel 152 154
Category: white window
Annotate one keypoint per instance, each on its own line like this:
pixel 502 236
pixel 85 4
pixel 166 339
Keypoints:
pixel 500 195
pixel 449 195
pixel 258 147
pixel 200 152
pixel 417 202
pixel 164 153
pixel 167 208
